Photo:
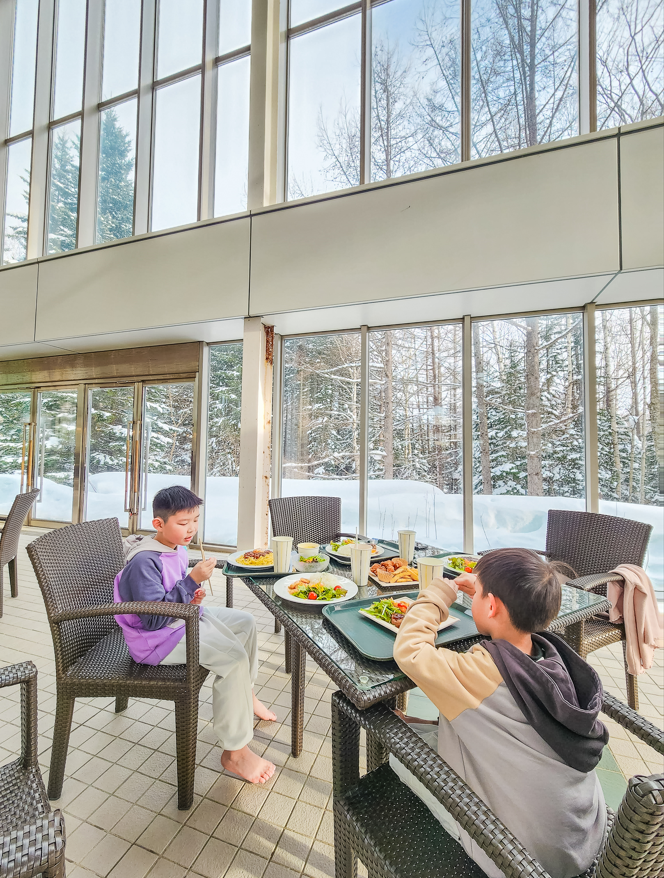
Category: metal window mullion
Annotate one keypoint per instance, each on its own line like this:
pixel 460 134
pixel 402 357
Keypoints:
pixel 201 428
pixel 467 431
pixel 41 130
pixel 7 19
pixel 587 70
pixel 87 209
pixel 277 416
pixel 364 428
pixel 365 95
pixel 590 409
pixel 261 33
pixel 144 128
pixel 208 148
pixel 466 82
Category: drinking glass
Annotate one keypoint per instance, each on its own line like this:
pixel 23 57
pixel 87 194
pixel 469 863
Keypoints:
pixel 281 549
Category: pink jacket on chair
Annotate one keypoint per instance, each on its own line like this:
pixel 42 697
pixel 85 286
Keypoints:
pixel 634 603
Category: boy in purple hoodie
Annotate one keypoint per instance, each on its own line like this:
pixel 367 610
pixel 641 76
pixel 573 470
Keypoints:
pixel 157 570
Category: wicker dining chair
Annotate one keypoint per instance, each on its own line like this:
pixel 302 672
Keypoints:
pixel 593 545
pixel 380 821
pixel 32 836
pixel 76 567
pixel 9 539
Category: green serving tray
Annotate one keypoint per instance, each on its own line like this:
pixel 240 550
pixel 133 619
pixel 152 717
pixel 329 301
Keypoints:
pixel 377 643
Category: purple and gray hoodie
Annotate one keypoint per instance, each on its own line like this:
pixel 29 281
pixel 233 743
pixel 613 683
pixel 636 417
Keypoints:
pixel 153 572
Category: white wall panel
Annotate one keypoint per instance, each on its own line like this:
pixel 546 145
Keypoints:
pixel 543 216
pixel 197 274
pixel 642 193
pixel 633 286
pixel 18 299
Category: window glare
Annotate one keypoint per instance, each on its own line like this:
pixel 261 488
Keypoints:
pixel 24 61
pixel 232 161
pixel 324 114
pixel 180 36
pixel 69 58
pixel 117 151
pixel 16 205
pixel 122 34
pixel 234 25
pixel 63 189
pixel 176 142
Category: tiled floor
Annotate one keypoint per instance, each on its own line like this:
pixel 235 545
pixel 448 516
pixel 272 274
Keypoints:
pixel 119 795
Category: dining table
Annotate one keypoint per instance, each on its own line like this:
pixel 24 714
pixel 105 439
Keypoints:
pixel 364 681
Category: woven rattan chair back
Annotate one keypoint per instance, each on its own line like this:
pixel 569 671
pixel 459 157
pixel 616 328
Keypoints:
pixel 9 539
pixel 635 844
pixel 306 519
pixel 75 568
pixel 593 543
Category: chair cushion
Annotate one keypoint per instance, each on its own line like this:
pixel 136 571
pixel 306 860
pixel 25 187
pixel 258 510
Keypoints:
pixel 392 828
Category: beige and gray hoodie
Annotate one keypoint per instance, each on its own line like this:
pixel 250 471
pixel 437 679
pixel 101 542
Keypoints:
pixel 522 731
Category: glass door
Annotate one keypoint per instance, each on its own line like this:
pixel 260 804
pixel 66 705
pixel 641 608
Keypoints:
pixel 54 455
pixel 16 436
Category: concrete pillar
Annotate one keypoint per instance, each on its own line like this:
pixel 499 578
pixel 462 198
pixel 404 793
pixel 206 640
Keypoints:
pixel 255 435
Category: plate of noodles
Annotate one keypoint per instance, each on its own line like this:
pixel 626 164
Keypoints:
pixel 255 559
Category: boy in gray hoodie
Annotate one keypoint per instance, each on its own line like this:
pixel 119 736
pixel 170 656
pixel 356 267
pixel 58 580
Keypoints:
pixel 518 713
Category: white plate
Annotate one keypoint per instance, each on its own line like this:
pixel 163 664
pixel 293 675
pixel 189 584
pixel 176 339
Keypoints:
pixel 383 624
pixel 345 556
pixel 281 589
pixel 464 555
pixel 232 559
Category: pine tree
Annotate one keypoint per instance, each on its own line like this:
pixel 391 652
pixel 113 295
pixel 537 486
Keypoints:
pixel 115 211
pixel 63 210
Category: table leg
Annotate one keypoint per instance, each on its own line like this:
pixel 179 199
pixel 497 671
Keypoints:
pixel 229 591
pixel 287 651
pixel 377 753
pixel 298 676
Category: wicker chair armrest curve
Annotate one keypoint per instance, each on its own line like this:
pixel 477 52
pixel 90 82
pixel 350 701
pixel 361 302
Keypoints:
pixel 447 787
pixel 638 725
pixel 189 612
pixel 20 673
pixel 588 583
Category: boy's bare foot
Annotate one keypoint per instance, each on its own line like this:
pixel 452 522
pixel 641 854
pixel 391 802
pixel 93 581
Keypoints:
pixel 262 712
pixel 247 765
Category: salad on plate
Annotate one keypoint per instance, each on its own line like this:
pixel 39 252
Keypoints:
pixel 461 565
pixel 324 589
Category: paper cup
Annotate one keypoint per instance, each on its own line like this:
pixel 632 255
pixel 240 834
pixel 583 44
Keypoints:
pixel 281 549
pixel 360 561
pixel 307 550
pixel 428 568
pixel 407 545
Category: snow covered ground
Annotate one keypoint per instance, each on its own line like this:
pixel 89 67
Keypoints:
pixel 500 520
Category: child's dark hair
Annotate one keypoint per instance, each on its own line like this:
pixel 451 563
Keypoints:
pixel 168 501
pixel 528 586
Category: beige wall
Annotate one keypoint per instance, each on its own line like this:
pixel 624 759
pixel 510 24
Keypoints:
pixel 18 304
pixel 642 194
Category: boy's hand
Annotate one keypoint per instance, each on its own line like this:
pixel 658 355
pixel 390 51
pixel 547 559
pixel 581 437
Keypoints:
pixel 465 582
pixel 203 570
pixel 199 594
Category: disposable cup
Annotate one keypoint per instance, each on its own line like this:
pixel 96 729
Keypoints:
pixel 428 568
pixel 360 561
pixel 307 550
pixel 281 549
pixel 407 545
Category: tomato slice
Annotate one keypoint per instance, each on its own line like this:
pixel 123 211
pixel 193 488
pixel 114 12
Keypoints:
pixel 468 569
pixel 402 606
pixel 337 588
pixel 312 596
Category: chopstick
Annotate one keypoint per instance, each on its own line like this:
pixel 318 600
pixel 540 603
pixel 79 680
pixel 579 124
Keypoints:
pixel 209 581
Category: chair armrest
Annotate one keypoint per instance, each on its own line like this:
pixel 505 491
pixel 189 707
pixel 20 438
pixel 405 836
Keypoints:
pixel 590 582
pixel 25 673
pixel 638 725
pixel 189 612
pixel 446 786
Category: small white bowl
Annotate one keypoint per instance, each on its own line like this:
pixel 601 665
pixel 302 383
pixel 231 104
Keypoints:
pixel 315 567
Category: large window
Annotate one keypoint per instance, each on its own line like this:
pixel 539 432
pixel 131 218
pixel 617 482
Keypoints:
pixel 63 188
pixel 415 451
pixel 321 420
pixel 528 448
pixel 14 445
pixel 16 205
pixel 223 451
pixel 630 358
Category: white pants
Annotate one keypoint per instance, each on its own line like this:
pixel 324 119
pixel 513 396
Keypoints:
pixel 227 647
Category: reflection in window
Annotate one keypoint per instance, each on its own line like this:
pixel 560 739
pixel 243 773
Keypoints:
pixel 63 189
pixel 180 36
pixel 14 413
pixel 630 61
pixel 630 350
pixel 117 150
pixel 324 109
pixel 528 446
pixel 234 25
pixel 415 98
pixel 15 245
pixel 321 420
pixel 24 63
pixel 176 139
pixel 232 162
pixel 122 35
pixel 223 465
pixel 415 452
pixel 524 72
pixel 69 57
pixel 305 10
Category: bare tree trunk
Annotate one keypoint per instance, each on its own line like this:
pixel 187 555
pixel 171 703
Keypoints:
pixel 480 395
pixel 301 470
pixel 611 405
pixel 655 398
pixel 533 409
pixel 388 413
